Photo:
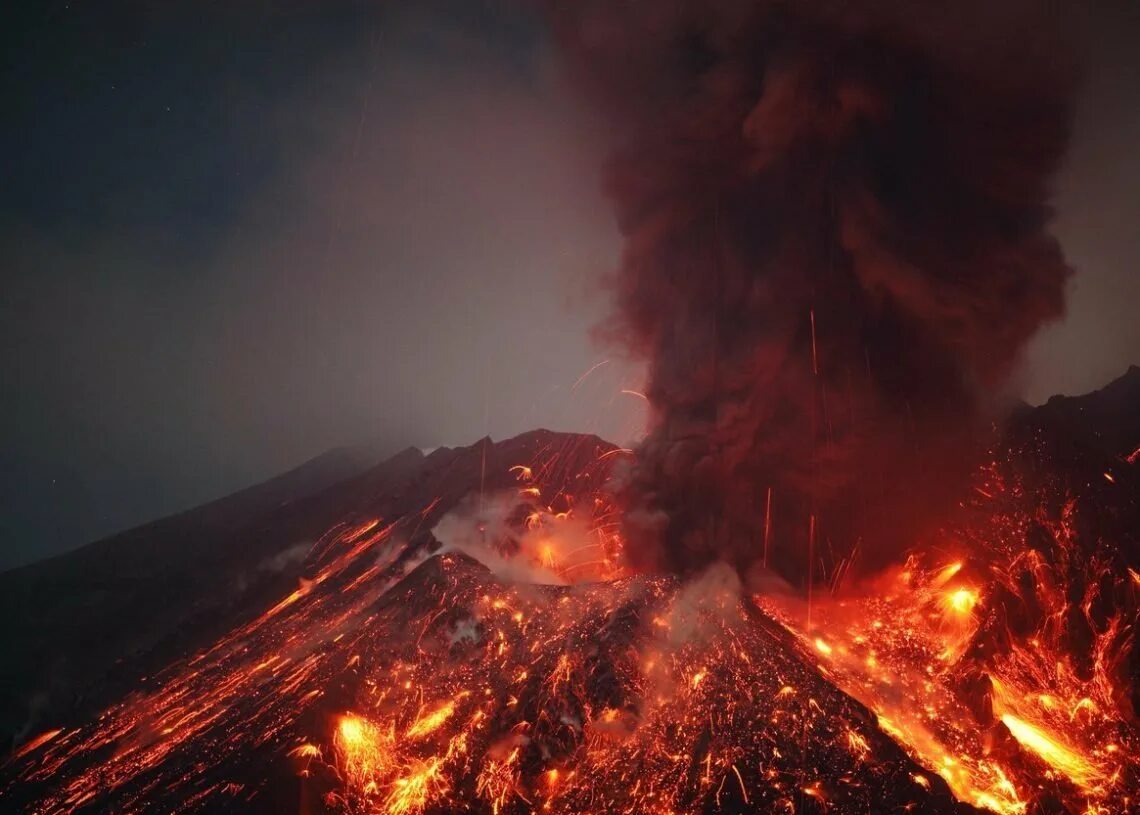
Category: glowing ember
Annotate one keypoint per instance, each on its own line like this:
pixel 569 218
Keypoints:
pixel 364 752
pixel 961 601
pixel 430 722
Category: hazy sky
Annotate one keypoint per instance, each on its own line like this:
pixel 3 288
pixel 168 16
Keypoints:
pixel 231 239
pixel 1098 216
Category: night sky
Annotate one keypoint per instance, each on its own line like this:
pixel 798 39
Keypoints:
pixel 235 235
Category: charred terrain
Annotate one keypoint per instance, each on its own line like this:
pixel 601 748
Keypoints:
pixel 459 631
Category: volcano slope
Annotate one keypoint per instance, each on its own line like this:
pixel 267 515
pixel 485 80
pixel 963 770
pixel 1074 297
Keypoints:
pixel 463 637
pixel 394 680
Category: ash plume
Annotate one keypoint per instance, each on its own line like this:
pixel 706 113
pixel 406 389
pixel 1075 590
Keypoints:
pixel 836 245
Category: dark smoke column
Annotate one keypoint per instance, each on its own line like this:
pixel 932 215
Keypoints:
pixel 835 247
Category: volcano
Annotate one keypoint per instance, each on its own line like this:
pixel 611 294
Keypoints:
pixel 458 631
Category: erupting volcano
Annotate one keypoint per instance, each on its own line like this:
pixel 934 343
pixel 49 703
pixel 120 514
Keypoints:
pixel 450 648
pixel 836 576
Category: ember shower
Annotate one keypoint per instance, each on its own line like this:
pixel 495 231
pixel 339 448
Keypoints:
pixel 835 220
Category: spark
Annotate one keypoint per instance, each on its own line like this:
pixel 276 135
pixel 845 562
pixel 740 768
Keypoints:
pixel 590 371
pixel 430 722
pixel 411 793
pixel 961 601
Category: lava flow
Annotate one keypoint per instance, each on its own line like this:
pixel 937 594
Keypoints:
pixel 490 653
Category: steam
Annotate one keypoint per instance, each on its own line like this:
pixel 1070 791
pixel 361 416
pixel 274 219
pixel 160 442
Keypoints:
pixel 291 556
pixel 703 606
pixel 702 609
pixel 835 220
pixel 518 540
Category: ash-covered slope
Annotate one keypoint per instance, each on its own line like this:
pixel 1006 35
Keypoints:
pixel 1104 422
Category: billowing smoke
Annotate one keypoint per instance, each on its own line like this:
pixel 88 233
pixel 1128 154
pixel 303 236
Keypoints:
pixel 835 220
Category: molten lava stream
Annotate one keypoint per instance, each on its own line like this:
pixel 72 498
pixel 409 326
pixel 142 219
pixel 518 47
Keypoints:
pixel 904 648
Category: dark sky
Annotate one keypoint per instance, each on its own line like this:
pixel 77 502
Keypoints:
pixel 234 235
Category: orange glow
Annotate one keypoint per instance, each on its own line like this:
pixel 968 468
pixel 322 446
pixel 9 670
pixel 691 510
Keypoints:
pixel 364 752
pixel 961 601
pixel 430 722
pixel 895 650
pixel 1057 755
pixel 39 741
pixel 411 792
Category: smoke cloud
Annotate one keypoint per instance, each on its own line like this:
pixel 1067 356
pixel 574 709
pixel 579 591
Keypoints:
pixel 835 221
pixel 519 540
